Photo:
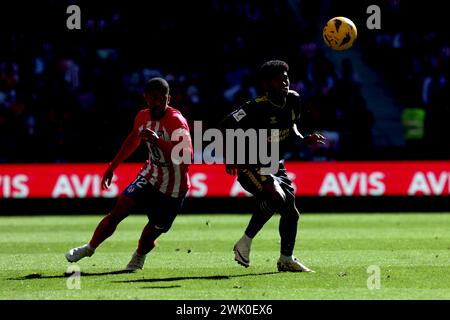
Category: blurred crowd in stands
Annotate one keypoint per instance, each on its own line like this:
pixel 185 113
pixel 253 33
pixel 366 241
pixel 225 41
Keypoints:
pixel 415 63
pixel 71 95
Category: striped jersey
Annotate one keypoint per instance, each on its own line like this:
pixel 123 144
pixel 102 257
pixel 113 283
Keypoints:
pixel 166 176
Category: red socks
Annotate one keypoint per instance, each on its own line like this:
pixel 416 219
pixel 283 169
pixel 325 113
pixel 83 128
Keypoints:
pixel 104 230
pixel 148 239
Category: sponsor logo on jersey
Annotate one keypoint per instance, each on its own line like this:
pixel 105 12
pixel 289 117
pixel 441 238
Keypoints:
pixel 239 115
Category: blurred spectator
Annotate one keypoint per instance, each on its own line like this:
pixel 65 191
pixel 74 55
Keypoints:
pixel 65 91
pixel 413 120
pixel 354 121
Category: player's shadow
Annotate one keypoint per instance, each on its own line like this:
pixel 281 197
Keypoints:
pixel 217 277
pixel 109 273
pixel 68 274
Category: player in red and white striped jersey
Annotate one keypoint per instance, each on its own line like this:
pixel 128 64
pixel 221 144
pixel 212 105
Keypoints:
pixel 162 182
pixel 169 178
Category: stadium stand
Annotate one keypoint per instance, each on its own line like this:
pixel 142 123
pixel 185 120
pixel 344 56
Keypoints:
pixel 62 91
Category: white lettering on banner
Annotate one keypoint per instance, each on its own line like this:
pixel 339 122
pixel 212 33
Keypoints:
pixel 15 186
pixel 5 182
pixel 78 186
pixel 199 187
pixel 358 183
pixel 96 189
pixel 320 179
pixel 330 185
pixel 429 184
pixel 81 187
pixel 63 187
pixel 377 184
pixel 236 190
pixel 348 186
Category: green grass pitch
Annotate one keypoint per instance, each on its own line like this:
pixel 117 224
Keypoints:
pixel 194 260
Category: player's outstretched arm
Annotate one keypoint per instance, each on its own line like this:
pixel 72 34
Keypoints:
pixel 313 138
pixel 130 145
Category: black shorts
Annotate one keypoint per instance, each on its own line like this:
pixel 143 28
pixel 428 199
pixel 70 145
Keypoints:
pixel 162 208
pixel 252 181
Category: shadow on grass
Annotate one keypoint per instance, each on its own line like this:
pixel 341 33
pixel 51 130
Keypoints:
pixel 162 287
pixel 68 274
pixel 87 274
pixel 218 277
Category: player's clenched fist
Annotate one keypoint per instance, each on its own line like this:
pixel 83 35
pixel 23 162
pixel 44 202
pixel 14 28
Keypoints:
pixel 107 178
pixel 148 135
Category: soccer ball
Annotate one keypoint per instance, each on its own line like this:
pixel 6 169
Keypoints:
pixel 339 33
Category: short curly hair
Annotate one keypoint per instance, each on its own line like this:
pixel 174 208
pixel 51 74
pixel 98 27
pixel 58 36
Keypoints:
pixel 272 68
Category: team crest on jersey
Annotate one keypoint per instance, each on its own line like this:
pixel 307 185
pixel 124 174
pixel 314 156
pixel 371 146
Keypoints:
pixel 239 115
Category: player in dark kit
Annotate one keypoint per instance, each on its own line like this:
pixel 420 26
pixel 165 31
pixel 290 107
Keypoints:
pixel 279 108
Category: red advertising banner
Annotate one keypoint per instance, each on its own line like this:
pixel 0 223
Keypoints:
pixel 421 178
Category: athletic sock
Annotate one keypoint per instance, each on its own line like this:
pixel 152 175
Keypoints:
pixel 147 241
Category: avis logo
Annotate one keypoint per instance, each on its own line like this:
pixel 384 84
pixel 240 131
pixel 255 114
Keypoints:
pixel 430 183
pixel 81 186
pixel 358 183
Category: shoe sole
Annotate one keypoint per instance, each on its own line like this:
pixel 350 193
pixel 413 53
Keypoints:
pixel 240 259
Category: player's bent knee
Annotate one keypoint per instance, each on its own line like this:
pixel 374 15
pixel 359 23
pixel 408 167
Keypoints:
pixel 122 208
pixel 294 215
pixel 290 210
pixel 272 205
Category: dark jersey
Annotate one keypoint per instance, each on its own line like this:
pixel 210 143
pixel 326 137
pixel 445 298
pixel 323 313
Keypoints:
pixel 261 113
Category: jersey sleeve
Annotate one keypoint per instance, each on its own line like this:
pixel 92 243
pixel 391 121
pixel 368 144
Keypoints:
pixel 178 124
pixel 179 132
pixel 239 118
pixel 138 121
pixel 296 105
